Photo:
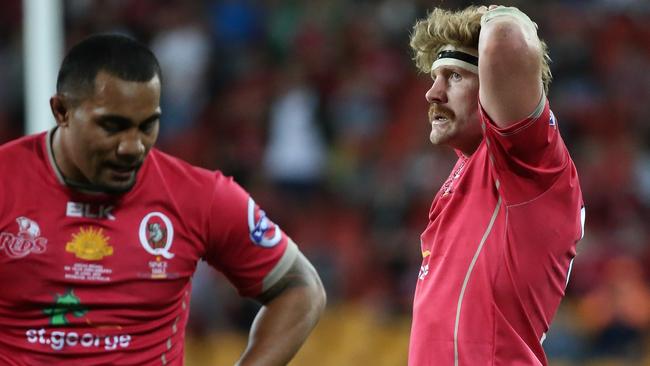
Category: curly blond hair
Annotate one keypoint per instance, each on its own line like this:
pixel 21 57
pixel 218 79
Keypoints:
pixel 457 28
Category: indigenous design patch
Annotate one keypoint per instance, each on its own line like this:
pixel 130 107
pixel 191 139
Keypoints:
pixel 64 306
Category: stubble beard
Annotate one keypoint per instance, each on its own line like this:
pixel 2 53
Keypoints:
pixel 104 184
pixel 121 189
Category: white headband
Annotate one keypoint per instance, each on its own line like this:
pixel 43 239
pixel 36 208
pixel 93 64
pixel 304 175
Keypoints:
pixel 463 57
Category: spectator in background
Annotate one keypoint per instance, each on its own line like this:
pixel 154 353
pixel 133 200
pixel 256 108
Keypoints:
pixel 184 51
pixel 295 154
pixel 503 228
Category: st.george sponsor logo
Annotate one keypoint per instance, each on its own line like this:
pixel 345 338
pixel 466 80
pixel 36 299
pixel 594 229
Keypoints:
pixel 58 339
pixel 66 307
pixel 69 305
pixel 28 240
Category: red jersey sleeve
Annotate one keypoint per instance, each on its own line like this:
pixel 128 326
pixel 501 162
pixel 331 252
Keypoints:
pixel 243 243
pixel 527 156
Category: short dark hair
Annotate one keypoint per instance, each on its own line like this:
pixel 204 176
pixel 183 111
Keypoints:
pixel 116 54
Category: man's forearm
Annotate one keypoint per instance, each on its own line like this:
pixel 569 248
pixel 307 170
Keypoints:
pixel 292 308
pixel 282 326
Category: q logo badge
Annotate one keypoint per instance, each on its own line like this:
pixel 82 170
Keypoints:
pixel 157 234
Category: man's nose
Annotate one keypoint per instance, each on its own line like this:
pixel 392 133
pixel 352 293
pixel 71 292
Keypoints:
pixel 131 145
pixel 436 93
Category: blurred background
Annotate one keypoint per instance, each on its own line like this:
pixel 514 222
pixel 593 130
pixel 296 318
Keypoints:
pixel 317 110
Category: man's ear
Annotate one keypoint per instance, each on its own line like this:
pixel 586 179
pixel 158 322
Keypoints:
pixel 59 109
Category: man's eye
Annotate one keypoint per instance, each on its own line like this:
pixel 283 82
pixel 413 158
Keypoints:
pixel 455 76
pixel 111 127
pixel 149 126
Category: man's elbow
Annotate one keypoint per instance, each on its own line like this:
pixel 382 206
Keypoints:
pixel 320 298
pixel 315 295
pixel 506 39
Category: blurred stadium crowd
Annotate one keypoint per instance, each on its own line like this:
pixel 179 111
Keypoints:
pixel 316 109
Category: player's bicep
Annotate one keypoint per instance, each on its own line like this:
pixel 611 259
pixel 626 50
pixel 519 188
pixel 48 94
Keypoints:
pixel 510 69
pixel 243 243
pixel 299 273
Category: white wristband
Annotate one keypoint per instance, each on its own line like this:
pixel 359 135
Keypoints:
pixel 509 11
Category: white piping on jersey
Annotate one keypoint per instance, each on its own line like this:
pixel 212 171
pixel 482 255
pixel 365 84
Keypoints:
pixel 582 235
pixel 583 215
pixel 568 273
pixel 469 272
pixel 540 106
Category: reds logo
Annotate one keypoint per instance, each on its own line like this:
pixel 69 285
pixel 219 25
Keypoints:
pixel 28 240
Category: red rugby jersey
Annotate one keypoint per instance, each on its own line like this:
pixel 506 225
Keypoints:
pixel 497 251
pixel 94 279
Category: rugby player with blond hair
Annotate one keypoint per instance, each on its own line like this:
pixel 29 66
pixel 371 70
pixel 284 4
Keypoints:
pixel 503 228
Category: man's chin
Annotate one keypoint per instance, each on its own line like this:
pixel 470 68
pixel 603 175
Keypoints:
pixel 109 188
pixel 438 138
pixel 121 189
pixel 118 187
pixel 111 185
pixel 115 182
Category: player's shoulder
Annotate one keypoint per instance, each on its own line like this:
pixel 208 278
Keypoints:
pixel 176 169
pixel 22 150
pixel 23 144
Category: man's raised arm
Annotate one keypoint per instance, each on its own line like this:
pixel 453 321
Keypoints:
pixel 510 65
